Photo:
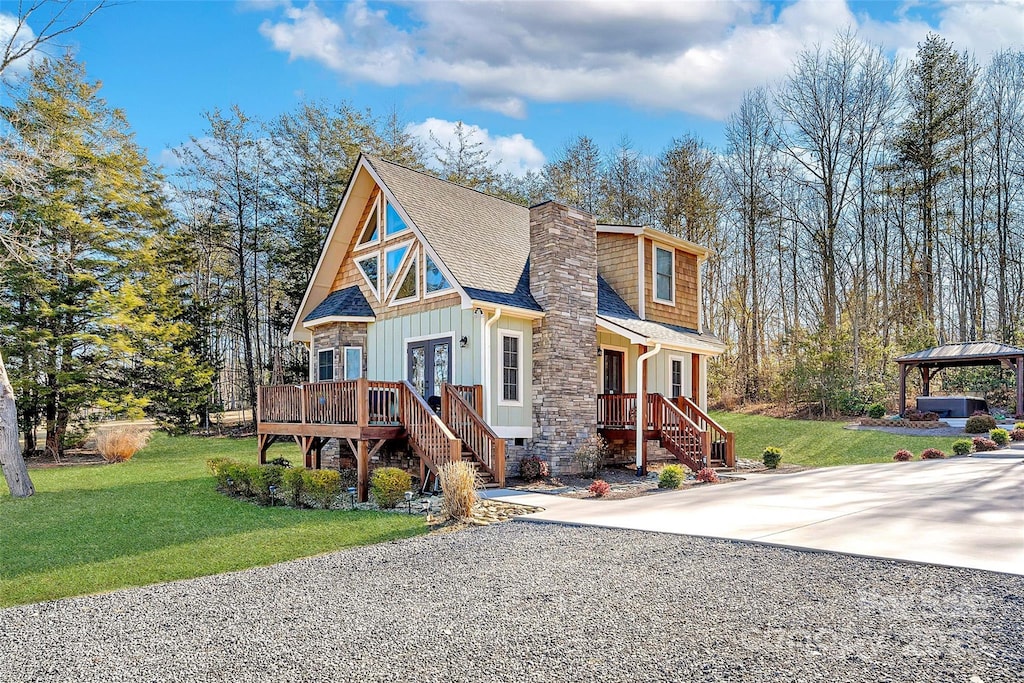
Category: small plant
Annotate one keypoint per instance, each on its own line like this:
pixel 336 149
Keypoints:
pixel 903 455
pixel 771 457
pixel 1017 434
pixel 532 468
pixel 981 444
pixel 591 454
pixel 1019 425
pixel 979 424
pixel 119 444
pixel 876 411
pixel 1000 436
pixel 962 447
pixel 671 477
pixel 294 484
pixel 707 475
pixel 389 485
pixel 932 454
pixel 600 488
pixel 458 485
pixel 324 486
pixel 280 462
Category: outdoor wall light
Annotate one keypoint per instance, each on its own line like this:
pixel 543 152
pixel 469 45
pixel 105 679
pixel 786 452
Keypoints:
pixel 600 352
pixel 478 311
pixel 464 342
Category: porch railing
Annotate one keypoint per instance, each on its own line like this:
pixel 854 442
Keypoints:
pixel 679 434
pixel 722 442
pixel 350 402
pixel 476 435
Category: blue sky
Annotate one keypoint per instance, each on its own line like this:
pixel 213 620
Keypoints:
pixel 530 75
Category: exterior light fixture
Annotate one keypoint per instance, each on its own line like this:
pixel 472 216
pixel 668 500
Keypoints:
pixel 352 497
pixel 478 311
pixel 273 494
pixel 464 342
pixel 408 501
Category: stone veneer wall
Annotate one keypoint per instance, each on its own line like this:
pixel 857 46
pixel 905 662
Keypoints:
pixel 563 280
pixel 337 336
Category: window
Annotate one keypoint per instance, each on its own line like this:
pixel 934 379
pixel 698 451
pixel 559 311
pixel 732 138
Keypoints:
pixel 409 289
pixel 369 266
pixel 664 275
pixel 371 231
pixel 394 223
pixel 392 262
pixel 511 367
pixel 435 280
pixel 353 362
pixel 325 364
pixel 677 377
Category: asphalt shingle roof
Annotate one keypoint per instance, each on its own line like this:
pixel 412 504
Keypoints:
pixel 344 302
pixel 964 351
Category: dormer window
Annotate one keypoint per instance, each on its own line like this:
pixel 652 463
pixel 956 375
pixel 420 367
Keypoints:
pixel 664 275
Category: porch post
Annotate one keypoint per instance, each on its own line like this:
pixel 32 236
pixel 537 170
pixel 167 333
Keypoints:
pixel 362 471
pixel 1020 386
pixel 903 389
pixel 695 378
pixel 926 381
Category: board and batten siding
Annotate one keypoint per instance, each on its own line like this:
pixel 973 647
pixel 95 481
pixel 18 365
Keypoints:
pixel 386 343
pixel 513 415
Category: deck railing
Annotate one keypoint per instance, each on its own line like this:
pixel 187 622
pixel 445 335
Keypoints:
pixel 349 402
pixel 680 435
pixel 476 435
pixel 722 442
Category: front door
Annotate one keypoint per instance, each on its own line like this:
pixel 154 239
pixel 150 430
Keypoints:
pixel 430 365
pixel 613 361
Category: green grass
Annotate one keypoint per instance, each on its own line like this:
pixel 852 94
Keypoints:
pixel 819 443
pixel 159 518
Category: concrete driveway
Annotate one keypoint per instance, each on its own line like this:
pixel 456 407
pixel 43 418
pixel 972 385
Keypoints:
pixel 962 512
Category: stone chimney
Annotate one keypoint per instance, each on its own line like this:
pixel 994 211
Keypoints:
pixel 563 280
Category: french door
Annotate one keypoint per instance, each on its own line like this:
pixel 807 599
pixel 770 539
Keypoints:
pixel 430 365
pixel 613 361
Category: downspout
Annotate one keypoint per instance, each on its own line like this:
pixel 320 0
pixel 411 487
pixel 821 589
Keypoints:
pixel 489 412
pixel 641 407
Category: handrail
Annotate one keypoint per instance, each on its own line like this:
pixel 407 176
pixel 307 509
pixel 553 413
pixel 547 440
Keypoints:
pixel 723 442
pixel 476 435
pixel 428 435
pixel 681 435
pixel 473 393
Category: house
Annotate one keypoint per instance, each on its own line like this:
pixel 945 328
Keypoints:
pixel 465 326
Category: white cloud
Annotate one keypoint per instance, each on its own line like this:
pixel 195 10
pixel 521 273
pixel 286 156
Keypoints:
pixel 514 153
pixel 697 56
pixel 8 27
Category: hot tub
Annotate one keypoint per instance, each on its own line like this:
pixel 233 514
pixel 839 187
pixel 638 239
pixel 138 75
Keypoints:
pixel 951 406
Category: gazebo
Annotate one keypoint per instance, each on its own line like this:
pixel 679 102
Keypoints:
pixel 966 354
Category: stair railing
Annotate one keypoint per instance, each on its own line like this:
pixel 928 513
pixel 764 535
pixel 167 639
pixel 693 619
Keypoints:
pixel 681 435
pixel 476 435
pixel 723 442
pixel 429 437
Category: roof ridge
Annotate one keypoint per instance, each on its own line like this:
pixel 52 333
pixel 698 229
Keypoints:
pixel 374 159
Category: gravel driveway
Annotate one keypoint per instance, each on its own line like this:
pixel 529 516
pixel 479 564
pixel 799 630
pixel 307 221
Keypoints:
pixel 532 602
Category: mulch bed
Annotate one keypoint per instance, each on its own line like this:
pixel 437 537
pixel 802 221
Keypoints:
pixel 623 480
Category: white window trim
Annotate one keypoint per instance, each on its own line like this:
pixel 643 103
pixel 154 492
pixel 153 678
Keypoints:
pixel 386 290
pixel 345 356
pixel 625 367
pixel 682 375
pixel 502 333
pixel 384 221
pixel 654 274
pixel 374 286
pixel 441 292
pixel 402 274
pixel 377 203
pixel 334 364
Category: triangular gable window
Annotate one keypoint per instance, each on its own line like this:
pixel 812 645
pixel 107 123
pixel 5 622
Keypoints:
pixel 434 278
pixel 409 288
pixel 394 223
pixel 392 262
pixel 370 268
pixel 371 231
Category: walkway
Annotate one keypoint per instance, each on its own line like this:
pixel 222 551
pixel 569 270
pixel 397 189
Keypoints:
pixel 961 512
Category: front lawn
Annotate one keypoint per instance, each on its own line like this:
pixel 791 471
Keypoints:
pixel 819 443
pixel 159 518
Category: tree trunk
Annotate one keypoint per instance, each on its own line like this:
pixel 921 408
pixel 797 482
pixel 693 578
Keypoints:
pixel 11 460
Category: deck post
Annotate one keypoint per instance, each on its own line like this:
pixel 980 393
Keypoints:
pixel 478 399
pixel 362 471
pixel 926 381
pixel 903 390
pixel 1020 386
pixel 362 402
pixel 730 449
pixel 499 461
pixel 445 408
pixel 705 447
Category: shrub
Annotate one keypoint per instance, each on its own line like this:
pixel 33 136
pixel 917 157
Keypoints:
pixel 707 475
pixel 932 454
pixel 280 462
pixel 979 424
pixel 600 488
pixel 903 455
pixel 221 469
pixel 389 485
pixel 1019 425
pixel 294 484
pixel 1000 436
pixel 962 447
pixel 981 444
pixel 671 477
pixel 264 478
pixel 458 485
pixel 979 413
pixel 119 444
pixel 591 454
pixel 876 411
pixel 1017 434
pixel 532 468
pixel 771 457
pixel 324 486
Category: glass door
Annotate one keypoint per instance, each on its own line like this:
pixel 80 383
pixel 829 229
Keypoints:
pixel 430 365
